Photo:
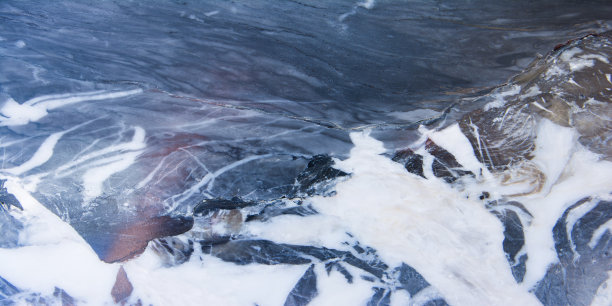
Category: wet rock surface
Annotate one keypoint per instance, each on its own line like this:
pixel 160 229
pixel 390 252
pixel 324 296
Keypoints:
pixel 570 86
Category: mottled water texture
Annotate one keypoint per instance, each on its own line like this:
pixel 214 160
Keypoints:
pixel 135 121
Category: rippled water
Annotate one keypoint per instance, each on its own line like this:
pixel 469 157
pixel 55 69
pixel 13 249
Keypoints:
pixel 120 111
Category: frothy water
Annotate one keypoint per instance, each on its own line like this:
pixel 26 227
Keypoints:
pixel 318 153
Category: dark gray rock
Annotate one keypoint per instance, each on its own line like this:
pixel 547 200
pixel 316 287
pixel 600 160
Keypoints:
pixel 305 290
pixel 63 297
pixel 445 165
pixel 6 291
pixel 411 280
pixel 514 240
pixel 7 199
pixel 10 228
pixel 317 176
pixel 208 206
pixel 412 162
pixel 381 297
pixel 581 268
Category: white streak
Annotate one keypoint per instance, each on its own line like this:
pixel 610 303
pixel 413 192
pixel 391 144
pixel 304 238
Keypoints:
pixel 499 98
pixel 137 143
pixel 42 155
pixel 367 4
pixel 211 176
pixel 538 105
pixel 44 152
pixel 94 178
pixel 606 227
pixel 37 108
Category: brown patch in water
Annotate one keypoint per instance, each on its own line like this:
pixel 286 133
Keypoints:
pixel 122 289
pixel 133 239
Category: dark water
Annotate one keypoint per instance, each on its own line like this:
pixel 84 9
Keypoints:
pixel 339 61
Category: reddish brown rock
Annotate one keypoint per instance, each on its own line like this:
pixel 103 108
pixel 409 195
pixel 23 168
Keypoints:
pixel 133 238
pixel 123 288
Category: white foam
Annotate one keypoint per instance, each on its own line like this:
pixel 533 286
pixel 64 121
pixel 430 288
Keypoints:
pixel 577 63
pixel 603 296
pixel 580 63
pixel 367 4
pixel 416 115
pixel 335 290
pixel 210 281
pixel 599 232
pixel 416 221
pixel 211 13
pixel 94 177
pixel 19 114
pixel 455 142
pixel 531 92
pixel 584 175
pixel 37 108
pixel 41 156
pixel 499 98
pixel 44 152
pixel 54 255
pixel 567 55
pixel 553 149
pixel 454 242
pixel 323 231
